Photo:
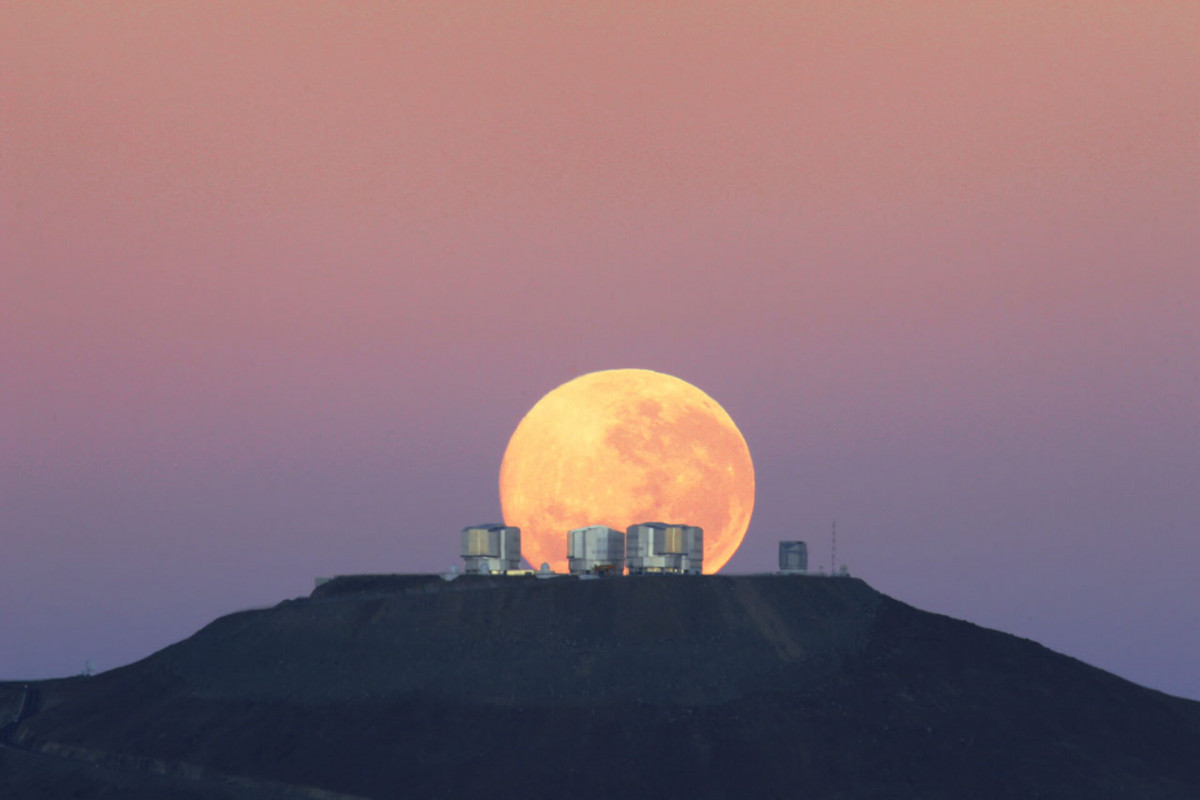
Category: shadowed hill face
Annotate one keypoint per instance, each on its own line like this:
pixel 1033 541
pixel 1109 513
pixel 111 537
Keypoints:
pixel 41 777
pixel 706 687
pixel 10 701
pixel 530 642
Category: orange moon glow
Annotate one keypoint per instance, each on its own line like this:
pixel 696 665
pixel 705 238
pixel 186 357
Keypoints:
pixel 621 447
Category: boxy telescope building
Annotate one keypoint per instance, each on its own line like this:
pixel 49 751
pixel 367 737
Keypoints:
pixel 596 549
pixel 648 548
pixel 659 547
pixel 491 548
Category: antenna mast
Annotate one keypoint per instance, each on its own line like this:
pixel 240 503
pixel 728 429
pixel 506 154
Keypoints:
pixel 833 551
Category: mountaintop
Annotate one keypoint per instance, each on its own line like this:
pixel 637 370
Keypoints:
pixel 713 686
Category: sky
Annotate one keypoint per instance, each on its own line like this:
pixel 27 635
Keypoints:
pixel 279 280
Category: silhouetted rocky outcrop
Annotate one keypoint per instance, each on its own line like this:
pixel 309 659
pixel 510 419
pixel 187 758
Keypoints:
pixel 769 686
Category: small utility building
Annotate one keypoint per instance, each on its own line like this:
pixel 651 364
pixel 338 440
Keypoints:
pixel 659 547
pixel 596 549
pixel 793 558
pixel 493 548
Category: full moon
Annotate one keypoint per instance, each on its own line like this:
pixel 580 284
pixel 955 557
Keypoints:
pixel 621 447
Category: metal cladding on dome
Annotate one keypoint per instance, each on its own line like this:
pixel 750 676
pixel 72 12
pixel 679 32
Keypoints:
pixel 595 549
pixel 491 548
pixel 658 547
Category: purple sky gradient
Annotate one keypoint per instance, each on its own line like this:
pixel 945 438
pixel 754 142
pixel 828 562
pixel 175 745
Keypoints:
pixel 277 284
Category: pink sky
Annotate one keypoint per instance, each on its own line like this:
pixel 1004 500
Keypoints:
pixel 277 282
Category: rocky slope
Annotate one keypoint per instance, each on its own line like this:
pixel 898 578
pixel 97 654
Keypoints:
pixel 395 686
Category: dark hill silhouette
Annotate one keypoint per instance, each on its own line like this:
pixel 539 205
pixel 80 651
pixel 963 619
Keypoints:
pixel 409 686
